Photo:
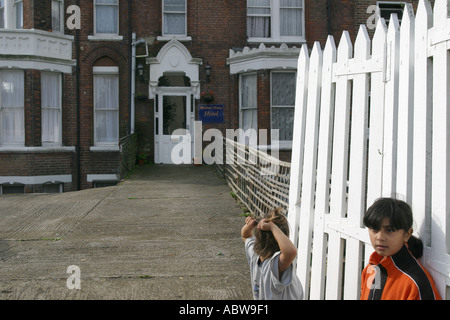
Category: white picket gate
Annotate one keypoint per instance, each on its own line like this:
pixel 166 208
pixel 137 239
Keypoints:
pixel 370 124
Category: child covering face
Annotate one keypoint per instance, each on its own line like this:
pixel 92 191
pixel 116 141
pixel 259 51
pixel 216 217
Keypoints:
pixel 270 254
pixel 393 272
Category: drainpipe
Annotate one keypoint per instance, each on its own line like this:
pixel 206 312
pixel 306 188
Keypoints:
pixel 329 17
pixel 77 101
pixel 131 78
pixel 134 43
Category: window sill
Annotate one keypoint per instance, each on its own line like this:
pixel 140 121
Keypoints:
pixel 179 38
pixel 281 146
pixel 105 148
pixel 105 37
pixel 44 149
pixel 277 40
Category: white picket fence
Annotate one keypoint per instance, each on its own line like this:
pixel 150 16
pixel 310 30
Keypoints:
pixel 371 123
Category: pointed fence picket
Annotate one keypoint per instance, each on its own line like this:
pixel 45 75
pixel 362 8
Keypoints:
pixel 371 121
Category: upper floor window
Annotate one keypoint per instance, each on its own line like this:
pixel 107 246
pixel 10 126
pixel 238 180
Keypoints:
pixel 2 14
pixel 11 14
pixel 385 9
pixel 18 9
pixel 275 21
pixel 174 17
pixel 58 15
pixel 107 17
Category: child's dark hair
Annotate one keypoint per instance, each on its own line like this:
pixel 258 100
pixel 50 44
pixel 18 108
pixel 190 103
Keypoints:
pixel 265 243
pixel 400 217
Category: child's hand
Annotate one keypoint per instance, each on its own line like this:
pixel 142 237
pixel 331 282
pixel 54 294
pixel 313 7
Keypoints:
pixel 265 225
pixel 250 222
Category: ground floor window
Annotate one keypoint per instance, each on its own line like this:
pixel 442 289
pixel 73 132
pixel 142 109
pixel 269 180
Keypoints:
pixel 106 105
pixel 283 86
pixel 249 109
pixel 51 108
pixel 12 123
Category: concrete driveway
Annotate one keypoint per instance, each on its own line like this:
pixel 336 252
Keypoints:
pixel 166 232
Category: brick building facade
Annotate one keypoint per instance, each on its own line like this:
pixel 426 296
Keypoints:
pixel 133 71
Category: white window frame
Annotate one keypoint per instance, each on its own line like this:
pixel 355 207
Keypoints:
pixel 60 16
pixel 57 141
pixel 13 144
pixel 275 20
pixel 101 145
pixel 284 144
pixel 242 109
pixel 106 36
pixel 174 12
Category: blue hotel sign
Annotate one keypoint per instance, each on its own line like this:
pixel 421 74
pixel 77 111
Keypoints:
pixel 210 113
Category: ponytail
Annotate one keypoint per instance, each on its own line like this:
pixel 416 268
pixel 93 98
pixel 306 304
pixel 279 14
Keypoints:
pixel 415 246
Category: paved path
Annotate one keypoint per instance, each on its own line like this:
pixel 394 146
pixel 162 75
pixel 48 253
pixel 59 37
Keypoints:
pixel 166 232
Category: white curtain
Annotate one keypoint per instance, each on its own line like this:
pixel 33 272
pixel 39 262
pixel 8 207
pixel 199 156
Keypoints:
pixel 174 17
pixel 291 17
pixel 283 103
pixel 249 108
pixel 106 109
pixel 258 18
pixel 106 16
pixel 51 107
pixel 12 126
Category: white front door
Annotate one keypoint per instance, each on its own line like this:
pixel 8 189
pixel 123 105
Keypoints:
pixel 173 122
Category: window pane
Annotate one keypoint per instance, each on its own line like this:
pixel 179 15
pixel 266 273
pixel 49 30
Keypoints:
pixel 107 1
pixel 2 13
pixel 106 108
pixel 249 92
pixel 249 109
pixel 174 5
pixel 107 19
pixel 258 27
pixel 258 18
pixel 56 15
pixel 174 113
pixel 283 103
pixel 283 120
pixel 19 14
pixel 106 126
pixel 174 23
pixel 291 18
pixel 12 129
pixel 106 88
pixel 51 107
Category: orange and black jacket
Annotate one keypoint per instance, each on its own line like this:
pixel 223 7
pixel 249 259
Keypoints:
pixel 398 277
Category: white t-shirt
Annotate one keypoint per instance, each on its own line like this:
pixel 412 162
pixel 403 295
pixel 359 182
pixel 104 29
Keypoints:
pixel 266 284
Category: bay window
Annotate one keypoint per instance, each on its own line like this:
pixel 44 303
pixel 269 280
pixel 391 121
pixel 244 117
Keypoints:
pixel 249 109
pixel 51 108
pixel 283 86
pixel 12 131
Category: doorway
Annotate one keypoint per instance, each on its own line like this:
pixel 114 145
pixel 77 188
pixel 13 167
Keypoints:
pixel 174 118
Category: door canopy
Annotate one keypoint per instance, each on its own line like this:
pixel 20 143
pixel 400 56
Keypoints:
pixel 174 58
